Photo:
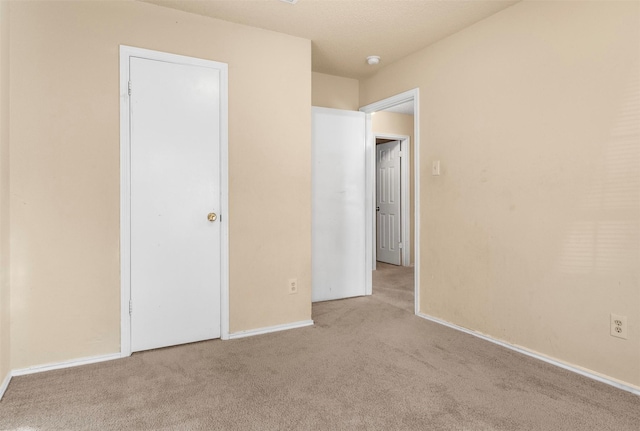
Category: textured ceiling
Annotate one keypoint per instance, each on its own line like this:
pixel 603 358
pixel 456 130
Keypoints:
pixel 345 32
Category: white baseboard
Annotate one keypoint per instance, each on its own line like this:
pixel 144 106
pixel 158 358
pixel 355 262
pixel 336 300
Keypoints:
pixel 268 329
pixel 577 370
pixel 65 364
pixel 5 385
pixel 112 356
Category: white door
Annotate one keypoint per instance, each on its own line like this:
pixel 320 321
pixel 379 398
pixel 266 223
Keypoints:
pixel 388 202
pixel 175 184
pixel 338 254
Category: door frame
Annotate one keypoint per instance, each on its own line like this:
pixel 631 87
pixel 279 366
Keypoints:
pixel 126 52
pixel 405 205
pixel 407 96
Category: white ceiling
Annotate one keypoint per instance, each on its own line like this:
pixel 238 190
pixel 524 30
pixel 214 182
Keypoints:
pixel 345 32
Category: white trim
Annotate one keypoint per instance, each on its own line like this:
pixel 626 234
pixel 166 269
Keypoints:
pixel 405 196
pixel 224 202
pixel 539 356
pixel 369 202
pixel 407 96
pixel 269 329
pixel 405 210
pixel 125 207
pixel 416 201
pixel 398 99
pixel 5 385
pixel 125 186
pixel 65 364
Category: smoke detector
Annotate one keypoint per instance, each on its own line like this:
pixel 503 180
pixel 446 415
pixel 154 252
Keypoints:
pixel 373 60
pixel 290 1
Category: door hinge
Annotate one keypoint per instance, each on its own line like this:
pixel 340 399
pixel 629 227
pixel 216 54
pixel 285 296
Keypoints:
pixel 400 245
pixel 399 154
pixel 130 307
pixel 129 87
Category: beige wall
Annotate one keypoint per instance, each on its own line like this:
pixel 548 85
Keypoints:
pixel 5 365
pixel 329 91
pixel 65 286
pixel 532 232
pixel 400 124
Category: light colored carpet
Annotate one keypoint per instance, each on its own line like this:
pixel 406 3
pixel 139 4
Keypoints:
pixel 394 285
pixel 367 364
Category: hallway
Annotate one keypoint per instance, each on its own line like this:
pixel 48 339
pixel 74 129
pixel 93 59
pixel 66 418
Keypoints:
pixel 394 285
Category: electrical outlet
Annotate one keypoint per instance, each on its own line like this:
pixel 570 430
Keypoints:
pixel 618 326
pixel 293 286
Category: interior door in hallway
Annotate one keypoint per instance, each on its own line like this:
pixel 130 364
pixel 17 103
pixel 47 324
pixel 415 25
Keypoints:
pixel 175 190
pixel 388 202
pixel 338 225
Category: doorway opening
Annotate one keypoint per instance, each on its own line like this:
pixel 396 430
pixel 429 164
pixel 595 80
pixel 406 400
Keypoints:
pixel 388 120
pixel 393 196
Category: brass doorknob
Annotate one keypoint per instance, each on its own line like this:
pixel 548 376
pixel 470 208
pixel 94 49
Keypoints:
pixel 212 216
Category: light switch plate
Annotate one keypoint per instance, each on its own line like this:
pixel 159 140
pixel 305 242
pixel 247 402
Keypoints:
pixel 435 167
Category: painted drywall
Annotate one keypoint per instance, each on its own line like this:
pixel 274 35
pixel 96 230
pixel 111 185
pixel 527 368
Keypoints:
pixel 329 91
pixel 65 279
pixel 531 235
pixel 400 124
pixel 5 347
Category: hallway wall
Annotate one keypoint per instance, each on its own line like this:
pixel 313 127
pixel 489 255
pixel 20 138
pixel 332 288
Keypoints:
pixel 329 91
